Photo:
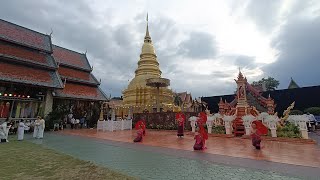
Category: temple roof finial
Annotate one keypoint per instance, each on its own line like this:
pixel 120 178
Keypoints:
pixel 147 38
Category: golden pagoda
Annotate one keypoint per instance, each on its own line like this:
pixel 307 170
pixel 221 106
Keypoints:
pixel 139 96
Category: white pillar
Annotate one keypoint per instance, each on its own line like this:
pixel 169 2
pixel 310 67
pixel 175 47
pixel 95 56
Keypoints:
pixel 113 115
pixel 193 126
pixel 209 126
pixel 112 124
pixel 247 125
pixel 227 125
pixel 303 129
pixel 48 103
pixel 273 127
pixel 122 124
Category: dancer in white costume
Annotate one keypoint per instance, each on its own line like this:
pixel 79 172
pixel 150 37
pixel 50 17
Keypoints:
pixel 21 128
pixel 41 129
pixel 36 127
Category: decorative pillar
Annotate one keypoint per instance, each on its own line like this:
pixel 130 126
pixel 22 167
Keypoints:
pixel 303 129
pixel 209 123
pixel 272 121
pixel 193 120
pixel 48 103
pixel 227 123
pixel 113 115
pixel 101 112
pixel 247 120
pixel 122 124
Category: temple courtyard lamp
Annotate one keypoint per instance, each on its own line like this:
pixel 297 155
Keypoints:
pixel 157 83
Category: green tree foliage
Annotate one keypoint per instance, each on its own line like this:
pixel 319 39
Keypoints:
pixel 313 110
pixel 296 112
pixel 270 82
pixel 177 100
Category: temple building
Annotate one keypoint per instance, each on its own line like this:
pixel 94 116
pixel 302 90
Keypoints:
pixel 293 84
pixel 138 96
pixel 36 75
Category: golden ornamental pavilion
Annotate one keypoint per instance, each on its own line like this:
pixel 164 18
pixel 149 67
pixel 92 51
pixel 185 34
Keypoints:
pixel 140 96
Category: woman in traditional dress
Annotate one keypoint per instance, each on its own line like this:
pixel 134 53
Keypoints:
pixel 41 127
pixel 201 135
pixel 36 127
pixel 255 136
pixel 198 145
pixel 21 128
pixel 3 131
pixel 180 119
pixel 140 126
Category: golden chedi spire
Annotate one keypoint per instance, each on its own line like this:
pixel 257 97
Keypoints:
pixel 137 92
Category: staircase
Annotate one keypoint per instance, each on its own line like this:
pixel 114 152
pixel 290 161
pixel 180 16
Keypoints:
pixel 238 127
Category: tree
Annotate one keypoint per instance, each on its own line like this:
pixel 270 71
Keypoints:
pixel 177 100
pixel 270 83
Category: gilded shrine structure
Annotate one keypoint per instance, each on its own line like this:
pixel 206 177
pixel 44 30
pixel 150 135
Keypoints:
pixel 141 96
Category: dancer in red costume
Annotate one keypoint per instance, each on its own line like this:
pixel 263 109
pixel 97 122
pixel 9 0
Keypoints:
pixel 201 135
pixel 255 135
pixel 180 119
pixel 140 127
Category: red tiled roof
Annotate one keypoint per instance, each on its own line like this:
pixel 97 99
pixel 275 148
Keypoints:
pixel 71 58
pixel 24 54
pixel 23 74
pixel 76 75
pixel 14 33
pixel 78 91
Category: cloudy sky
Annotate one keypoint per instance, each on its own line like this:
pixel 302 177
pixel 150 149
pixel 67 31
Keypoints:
pixel 200 44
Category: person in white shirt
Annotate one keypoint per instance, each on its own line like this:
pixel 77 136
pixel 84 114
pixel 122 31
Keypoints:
pixel 42 127
pixel 21 128
pixel 3 131
pixel 36 128
pixel 72 121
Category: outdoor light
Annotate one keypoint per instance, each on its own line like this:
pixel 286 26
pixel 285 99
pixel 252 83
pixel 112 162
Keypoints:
pixel 5 94
pixel 14 95
pixel 10 94
pixel 28 96
pixel 0 94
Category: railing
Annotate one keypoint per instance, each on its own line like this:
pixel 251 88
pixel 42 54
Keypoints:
pixel 114 125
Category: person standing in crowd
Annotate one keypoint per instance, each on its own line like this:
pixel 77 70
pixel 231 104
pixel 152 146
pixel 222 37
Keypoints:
pixel 27 127
pixel 36 127
pixel 3 131
pixel 77 123
pixel 42 127
pixel 21 128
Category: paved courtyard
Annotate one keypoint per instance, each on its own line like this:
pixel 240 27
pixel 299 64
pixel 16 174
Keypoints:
pixel 154 162
pixel 274 151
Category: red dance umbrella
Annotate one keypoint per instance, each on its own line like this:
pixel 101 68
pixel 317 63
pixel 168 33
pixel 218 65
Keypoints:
pixel 262 128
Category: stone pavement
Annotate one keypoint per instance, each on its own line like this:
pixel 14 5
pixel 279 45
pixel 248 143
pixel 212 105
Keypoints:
pixel 147 162
pixel 282 152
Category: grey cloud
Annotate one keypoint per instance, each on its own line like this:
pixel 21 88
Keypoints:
pixel 264 13
pixel 199 45
pixel 299 55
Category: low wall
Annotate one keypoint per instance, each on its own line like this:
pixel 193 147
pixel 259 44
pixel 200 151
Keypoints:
pixel 162 120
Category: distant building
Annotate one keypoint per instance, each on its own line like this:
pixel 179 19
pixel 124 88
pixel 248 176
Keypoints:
pixel 293 84
pixel 304 97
